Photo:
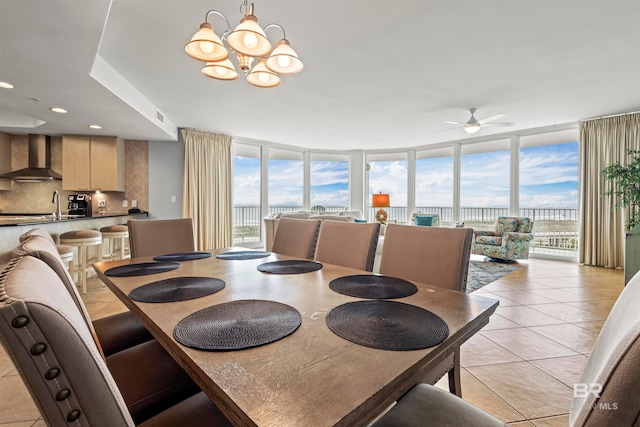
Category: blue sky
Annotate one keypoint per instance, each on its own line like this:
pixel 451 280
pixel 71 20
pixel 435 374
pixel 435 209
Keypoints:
pixel 548 179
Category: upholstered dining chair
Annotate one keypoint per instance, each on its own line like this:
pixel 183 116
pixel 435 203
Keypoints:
pixel 608 393
pixel 152 237
pixel 436 256
pixel 349 244
pixel 296 237
pixel 114 333
pixel 51 346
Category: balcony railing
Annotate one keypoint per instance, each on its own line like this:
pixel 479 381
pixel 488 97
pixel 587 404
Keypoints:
pixel 555 229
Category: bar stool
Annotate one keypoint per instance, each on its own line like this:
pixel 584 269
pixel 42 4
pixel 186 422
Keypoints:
pixel 82 239
pixel 110 235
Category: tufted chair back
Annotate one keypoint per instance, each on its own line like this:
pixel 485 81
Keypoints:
pixel 53 349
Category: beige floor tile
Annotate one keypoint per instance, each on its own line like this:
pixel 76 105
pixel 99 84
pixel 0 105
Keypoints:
pixel 565 312
pixel 560 421
pixel 524 297
pixel 478 394
pixel 594 326
pixel 498 322
pixel 600 308
pixel 526 316
pixel 527 344
pixel 504 302
pixel 479 350
pixel 566 369
pixel 6 365
pixel 521 424
pixel 571 336
pixel 559 295
pixel 526 388
pixel 16 404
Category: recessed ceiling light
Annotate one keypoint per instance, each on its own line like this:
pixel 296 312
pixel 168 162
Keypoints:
pixel 95 126
pixel 58 110
pixel 5 85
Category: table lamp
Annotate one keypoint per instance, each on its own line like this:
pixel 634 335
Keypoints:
pixel 381 200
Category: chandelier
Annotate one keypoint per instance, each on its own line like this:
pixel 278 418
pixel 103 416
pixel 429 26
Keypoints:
pixel 248 41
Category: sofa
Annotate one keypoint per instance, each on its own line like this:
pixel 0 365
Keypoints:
pixel 271 222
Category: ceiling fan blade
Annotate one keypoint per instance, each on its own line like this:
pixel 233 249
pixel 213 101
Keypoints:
pixel 449 130
pixel 500 124
pixel 453 123
pixel 492 118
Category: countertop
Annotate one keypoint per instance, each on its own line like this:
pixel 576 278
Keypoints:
pixel 12 219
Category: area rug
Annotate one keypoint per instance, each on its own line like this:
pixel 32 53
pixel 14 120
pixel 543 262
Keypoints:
pixel 482 273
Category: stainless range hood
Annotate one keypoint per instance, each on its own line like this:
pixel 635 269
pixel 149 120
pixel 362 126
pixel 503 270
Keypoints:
pixel 39 169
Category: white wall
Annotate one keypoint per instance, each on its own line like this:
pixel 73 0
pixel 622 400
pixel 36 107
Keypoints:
pixel 166 165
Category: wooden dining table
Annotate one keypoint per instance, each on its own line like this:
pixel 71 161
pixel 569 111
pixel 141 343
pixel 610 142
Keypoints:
pixel 312 377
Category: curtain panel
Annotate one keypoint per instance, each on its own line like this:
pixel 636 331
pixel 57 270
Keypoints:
pixel 602 228
pixel 207 191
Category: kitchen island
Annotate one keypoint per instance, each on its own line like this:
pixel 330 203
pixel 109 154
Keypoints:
pixel 12 225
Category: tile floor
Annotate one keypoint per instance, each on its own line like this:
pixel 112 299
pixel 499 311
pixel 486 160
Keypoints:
pixel 520 368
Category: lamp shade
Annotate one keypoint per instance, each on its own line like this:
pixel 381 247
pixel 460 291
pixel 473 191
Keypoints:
pixel 249 39
pixel 380 200
pixel 284 59
pixel 472 128
pixel 223 70
pixel 206 46
pixel 261 76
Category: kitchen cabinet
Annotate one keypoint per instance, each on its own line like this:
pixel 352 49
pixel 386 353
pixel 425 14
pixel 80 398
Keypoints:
pixel 91 163
pixel 5 160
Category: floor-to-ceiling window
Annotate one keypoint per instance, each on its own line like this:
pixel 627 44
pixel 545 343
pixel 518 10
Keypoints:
pixel 484 182
pixel 247 219
pixel 434 187
pixel 329 181
pixel 286 180
pixel 548 190
pixel 388 175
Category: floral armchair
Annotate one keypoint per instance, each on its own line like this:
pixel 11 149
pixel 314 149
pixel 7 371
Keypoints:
pixel 510 240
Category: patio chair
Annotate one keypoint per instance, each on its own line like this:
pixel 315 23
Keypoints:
pixel 608 393
pixel 508 242
pixel 349 244
pixel 436 256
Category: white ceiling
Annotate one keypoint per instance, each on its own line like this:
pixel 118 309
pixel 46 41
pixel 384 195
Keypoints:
pixel 378 74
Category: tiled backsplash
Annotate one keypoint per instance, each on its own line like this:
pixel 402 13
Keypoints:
pixel 36 197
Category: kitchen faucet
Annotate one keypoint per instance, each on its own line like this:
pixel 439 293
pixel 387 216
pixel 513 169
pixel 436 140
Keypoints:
pixel 56 199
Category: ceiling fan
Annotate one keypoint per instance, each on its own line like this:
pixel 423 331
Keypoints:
pixel 473 125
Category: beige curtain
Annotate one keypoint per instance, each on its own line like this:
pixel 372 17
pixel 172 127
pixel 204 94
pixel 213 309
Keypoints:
pixel 206 190
pixel 602 228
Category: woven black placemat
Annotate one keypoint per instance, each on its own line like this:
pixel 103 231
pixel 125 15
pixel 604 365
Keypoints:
pixel 373 286
pixel 176 289
pixel 387 325
pixel 235 255
pixel 141 269
pixel 289 267
pixel 237 325
pixel 182 256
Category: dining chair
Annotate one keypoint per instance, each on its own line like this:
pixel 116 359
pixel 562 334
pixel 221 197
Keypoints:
pixel 437 256
pixel 296 237
pixel 51 346
pixel 607 394
pixel 114 333
pixel 152 237
pixel 349 244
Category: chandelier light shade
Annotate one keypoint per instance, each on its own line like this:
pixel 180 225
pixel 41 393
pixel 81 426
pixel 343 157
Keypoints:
pixel 220 70
pixel 206 46
pixel 261 76
pixel 248 41
pixel 284 59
